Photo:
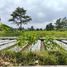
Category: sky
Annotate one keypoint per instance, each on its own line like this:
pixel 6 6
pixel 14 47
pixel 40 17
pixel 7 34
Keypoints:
pixel 42 12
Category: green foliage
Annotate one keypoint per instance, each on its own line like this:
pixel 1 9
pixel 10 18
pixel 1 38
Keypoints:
pixel 29 58
pixel 19 17
pixel 61 24
pixel 27 38
pixel 50 27
pixel 5 28
pixel 8 56
pixel 51 45
pixel 52 34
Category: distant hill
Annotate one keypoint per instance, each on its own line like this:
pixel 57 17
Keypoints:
pixel 4 27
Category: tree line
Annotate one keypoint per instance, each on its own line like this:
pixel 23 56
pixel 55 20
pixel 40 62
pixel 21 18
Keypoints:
pixel 20 17
pixel 60 24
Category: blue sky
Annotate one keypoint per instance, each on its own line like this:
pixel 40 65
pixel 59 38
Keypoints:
pixel 41 11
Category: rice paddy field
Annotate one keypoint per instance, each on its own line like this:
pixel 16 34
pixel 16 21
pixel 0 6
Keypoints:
pixel 40 33
pixel 48 33
pixel 37 48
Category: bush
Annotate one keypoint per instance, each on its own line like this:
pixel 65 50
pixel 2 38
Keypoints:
pixel 30 58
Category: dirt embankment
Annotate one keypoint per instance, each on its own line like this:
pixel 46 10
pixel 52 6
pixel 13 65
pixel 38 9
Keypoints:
pixel 4 63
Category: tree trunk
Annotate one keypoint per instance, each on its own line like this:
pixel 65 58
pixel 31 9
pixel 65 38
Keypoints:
pixel 20 27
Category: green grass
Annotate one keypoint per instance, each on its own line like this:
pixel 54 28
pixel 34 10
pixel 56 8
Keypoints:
pixel 32 36
pixel 29 58
pixel 58 57
pixel 35 33
pixel 48 33
pixel 9 33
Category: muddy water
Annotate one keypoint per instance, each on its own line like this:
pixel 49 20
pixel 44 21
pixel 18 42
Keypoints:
pixel 6 43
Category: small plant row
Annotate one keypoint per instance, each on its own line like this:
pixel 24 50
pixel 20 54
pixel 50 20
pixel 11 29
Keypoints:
pixel 51 45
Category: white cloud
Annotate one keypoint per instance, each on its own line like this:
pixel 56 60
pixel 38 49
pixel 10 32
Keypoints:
pixel 41 11
pixel 40 15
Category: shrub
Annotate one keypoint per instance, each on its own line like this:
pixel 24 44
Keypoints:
pixel 29 58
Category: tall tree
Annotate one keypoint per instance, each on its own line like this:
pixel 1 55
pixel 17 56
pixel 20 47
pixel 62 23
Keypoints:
pixel 61 23
pixel 64 22
pixel 0 18
pixel 58 24
pixel 32 28
pixel 49 27
pixel 19 17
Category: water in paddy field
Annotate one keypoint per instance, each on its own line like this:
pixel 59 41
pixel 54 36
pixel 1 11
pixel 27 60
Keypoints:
pixel 62 43
pixel 39 45
pixel 36 46
pixel 6 43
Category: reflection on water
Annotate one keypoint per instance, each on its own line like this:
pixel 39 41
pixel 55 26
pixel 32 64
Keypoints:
pixel 36 46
